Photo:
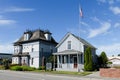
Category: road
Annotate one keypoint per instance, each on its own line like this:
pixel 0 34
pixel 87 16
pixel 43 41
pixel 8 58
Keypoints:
pixel 15 75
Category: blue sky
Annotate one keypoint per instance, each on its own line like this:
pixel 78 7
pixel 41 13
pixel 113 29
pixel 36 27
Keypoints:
pixel 100 25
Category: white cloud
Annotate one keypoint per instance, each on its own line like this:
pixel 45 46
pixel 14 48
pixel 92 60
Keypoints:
pixel 96 19
pixel 84 23
pixel 1 17
pixel 103 29
pixel 112 49
pixel 102 1
pixel 117 25
pixel 107 1
pixel 6 48
pixel 76 31
pixel 16 9
pixel 6 22
pixel 115 10
pixel 111 1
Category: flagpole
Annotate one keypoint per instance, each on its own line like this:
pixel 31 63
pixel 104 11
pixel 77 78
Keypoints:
pixel 79 37
pixel 80 18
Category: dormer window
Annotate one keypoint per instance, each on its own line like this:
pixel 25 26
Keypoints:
pixel 47 35
pixel 25 36
pixel 69 45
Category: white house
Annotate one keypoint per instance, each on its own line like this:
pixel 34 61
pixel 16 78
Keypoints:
pixel 33 47
pixel 70 53
pixel 115 60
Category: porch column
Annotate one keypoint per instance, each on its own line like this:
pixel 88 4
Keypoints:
pixel 54 63
pixel 58 63
pixel 61 62
pixel 69 60
pixel 78 62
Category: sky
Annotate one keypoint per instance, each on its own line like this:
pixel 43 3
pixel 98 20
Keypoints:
pixel 100 24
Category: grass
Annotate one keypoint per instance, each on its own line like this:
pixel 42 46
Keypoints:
pixel 64 72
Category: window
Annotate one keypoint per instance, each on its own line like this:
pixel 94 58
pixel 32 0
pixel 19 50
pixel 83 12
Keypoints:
pixel 81 58
pixel 41 52
pixel 32 61
pixel 25 36
pixel 64 59
pixel 69 44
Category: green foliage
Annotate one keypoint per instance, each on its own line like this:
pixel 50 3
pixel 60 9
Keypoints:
pixel 118 54
pixel 88 66
pixel 14 65
pixel 27 68
pixel 6 63
pixel 22 68
pixel 103 59
pixel 109 62
pixel 16 68
pixel 2 67
pixel 52 59
pixel 41 68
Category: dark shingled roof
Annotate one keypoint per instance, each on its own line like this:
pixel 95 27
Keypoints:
pixel 35 35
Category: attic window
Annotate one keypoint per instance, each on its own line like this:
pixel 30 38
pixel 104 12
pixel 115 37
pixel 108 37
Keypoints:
pixel 69 45
pixel 26 36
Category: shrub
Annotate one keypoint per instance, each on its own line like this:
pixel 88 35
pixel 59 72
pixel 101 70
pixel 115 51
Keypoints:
pixel 2 67
pixel 16 68
pixel 22 68
pixel 41 68
pixel 11 65
pixel 109 62
pixel 27 68
pixel 88 60
pixel 103 60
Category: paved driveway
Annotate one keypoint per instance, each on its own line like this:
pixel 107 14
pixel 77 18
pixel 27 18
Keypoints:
pixel 14 75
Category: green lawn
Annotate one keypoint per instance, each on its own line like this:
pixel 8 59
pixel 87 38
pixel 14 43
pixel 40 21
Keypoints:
pixel 64 72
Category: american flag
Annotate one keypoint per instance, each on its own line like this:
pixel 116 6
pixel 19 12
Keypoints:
pixel 81 13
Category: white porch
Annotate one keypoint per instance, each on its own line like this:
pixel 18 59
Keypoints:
pixel 69 60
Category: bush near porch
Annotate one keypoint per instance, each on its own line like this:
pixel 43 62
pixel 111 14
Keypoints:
pixel 22 68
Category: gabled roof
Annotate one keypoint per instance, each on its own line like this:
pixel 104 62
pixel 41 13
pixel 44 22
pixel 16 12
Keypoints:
pixel 35 35
pixel 78 38
pixel 114 57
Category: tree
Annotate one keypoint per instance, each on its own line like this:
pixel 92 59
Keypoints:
pixel 118 54
pixel 52 59
pixel 88 60
pixel 6 63
pixel 103 59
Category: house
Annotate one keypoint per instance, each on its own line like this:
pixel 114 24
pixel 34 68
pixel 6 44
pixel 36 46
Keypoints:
pixel 70 53
pixel 5 56
pixel 115 60
pixel 33 48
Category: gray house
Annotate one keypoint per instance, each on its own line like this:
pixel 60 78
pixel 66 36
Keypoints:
pixel 33 47
pixel 70 53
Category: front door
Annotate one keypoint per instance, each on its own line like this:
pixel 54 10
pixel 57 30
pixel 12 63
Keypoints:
pixel 75 62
